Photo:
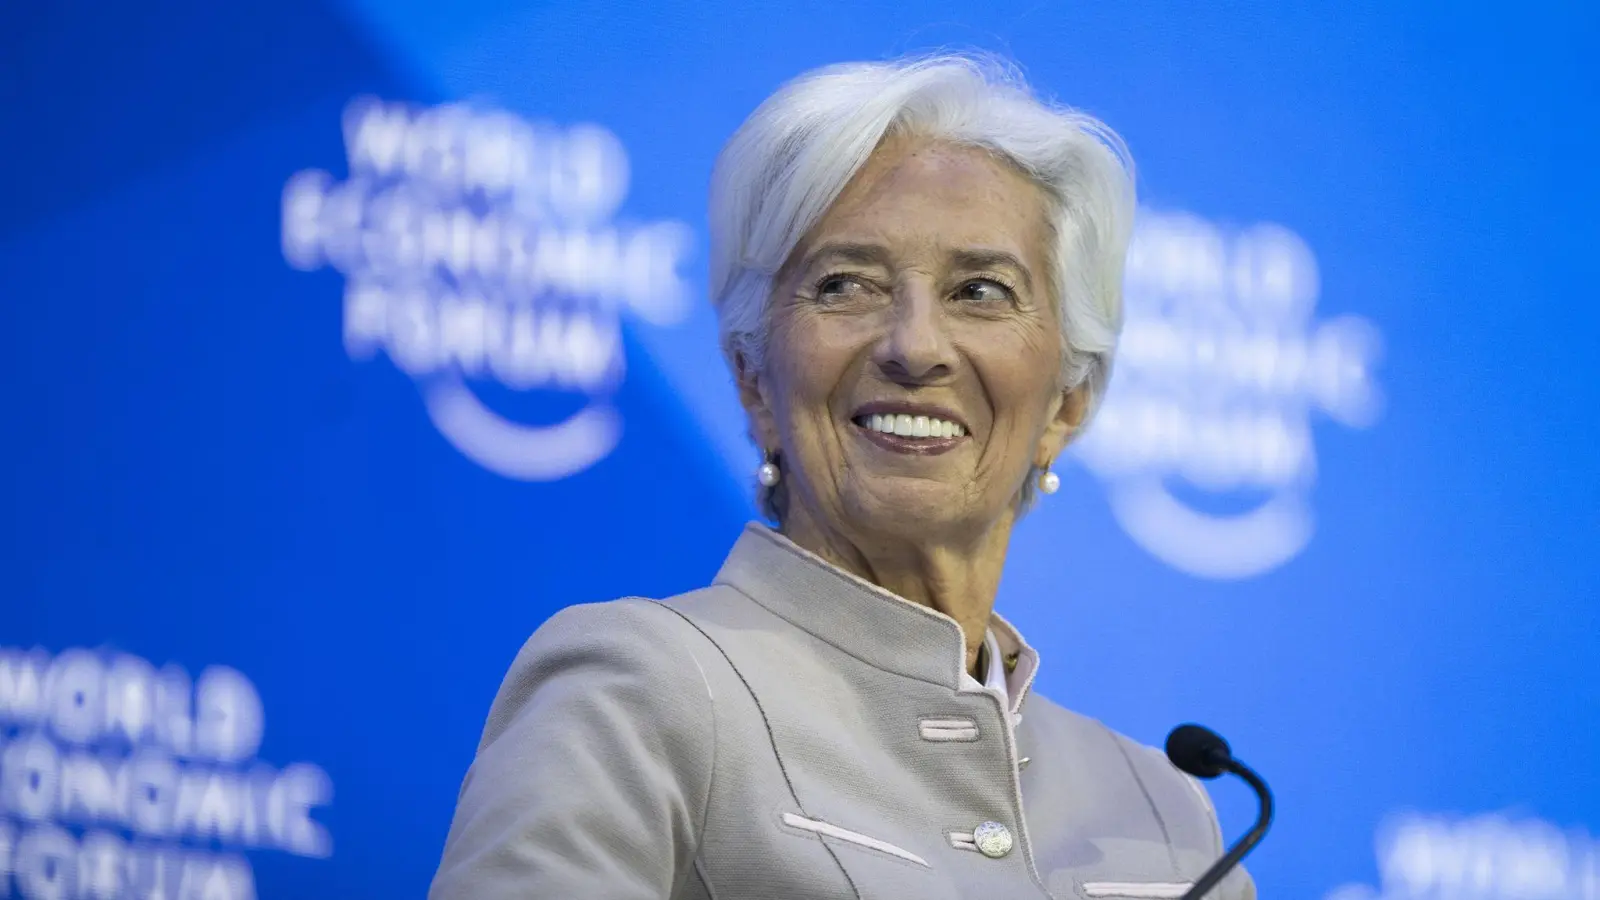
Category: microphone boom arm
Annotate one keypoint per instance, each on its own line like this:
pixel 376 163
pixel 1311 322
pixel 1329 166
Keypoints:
pixel 1244 845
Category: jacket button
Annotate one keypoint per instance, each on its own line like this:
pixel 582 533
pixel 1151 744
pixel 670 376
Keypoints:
pixel 993 839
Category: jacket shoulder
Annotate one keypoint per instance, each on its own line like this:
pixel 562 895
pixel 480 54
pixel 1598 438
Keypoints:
pixel 655 627
pixel 632 647
pixel 594 771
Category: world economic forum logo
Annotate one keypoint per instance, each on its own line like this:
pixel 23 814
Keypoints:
pixel 1205 439
pixel 119 778
pixel 482 251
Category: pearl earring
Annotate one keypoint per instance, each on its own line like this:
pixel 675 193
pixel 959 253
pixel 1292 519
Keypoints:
pixel 1049 482
pixel 768 474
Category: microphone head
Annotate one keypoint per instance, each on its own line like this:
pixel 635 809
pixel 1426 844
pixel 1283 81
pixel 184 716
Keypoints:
pixel 1198 750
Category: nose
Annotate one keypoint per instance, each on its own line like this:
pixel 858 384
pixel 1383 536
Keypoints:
pixel 915 348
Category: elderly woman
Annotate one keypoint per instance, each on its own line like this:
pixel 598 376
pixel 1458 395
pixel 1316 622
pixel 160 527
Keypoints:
pixel 917 270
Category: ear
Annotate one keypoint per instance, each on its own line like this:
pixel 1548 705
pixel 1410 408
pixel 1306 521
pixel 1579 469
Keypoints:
pixel 1072 407
pixel 753 397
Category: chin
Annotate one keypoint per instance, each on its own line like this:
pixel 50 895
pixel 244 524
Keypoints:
pixel 915 514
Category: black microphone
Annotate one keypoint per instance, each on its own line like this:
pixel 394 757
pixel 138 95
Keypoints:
pixel 1203 753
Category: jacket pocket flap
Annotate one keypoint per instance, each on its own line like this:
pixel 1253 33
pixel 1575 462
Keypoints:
pixel 827 829
pixel 1136 890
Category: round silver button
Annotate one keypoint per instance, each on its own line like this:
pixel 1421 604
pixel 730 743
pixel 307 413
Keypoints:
pixel 993 839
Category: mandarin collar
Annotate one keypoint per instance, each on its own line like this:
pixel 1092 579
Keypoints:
pixel 874 625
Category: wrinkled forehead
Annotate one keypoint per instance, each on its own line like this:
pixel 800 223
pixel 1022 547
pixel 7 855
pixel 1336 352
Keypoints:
pixel 939 199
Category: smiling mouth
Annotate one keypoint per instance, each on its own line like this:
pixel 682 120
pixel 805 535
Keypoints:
pixel 911 434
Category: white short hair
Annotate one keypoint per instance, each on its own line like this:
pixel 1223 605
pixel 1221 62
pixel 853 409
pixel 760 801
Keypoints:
pixel 793 156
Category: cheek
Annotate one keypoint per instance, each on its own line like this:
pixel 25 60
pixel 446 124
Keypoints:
pixel 812 356
pixel 1021 367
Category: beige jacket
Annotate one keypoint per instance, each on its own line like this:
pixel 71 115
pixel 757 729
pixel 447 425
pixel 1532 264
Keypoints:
pixel 794 732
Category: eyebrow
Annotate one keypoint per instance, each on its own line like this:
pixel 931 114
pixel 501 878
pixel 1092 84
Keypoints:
pixel 874 254
pixel 866 254
pixel 993 259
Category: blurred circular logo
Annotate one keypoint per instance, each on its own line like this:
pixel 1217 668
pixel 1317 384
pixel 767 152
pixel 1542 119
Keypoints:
pixel 483 257
pixel 1483 857
pixel 1204 440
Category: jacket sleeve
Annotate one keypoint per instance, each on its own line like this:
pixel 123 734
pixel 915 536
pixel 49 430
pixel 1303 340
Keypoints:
pixel 593 773
pixel 1238 885
pixel 1190 818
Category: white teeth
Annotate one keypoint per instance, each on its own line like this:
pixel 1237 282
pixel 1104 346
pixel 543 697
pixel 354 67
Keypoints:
pixel 906 425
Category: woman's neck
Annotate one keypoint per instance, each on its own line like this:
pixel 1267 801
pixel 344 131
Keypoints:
pixel 956 577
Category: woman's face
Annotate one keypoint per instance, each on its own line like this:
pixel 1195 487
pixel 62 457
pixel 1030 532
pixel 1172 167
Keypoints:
pixel 911 376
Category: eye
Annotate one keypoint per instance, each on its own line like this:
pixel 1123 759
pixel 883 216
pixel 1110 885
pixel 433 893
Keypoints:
pixel 839 287
pixel 984 292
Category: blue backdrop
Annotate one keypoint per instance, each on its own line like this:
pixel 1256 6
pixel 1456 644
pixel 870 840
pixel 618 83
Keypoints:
pixel 345 341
